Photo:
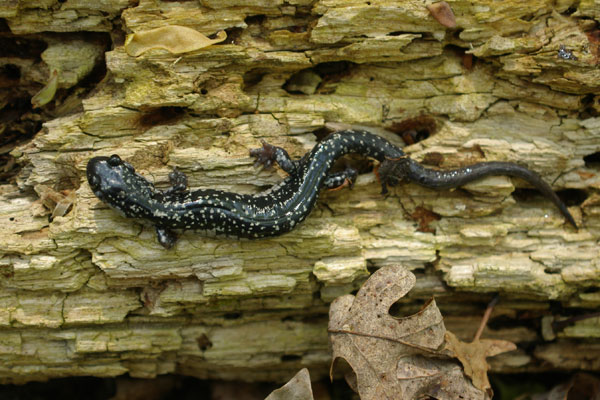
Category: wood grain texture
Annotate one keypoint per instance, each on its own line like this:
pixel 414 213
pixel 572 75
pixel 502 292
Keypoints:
pixel 92 293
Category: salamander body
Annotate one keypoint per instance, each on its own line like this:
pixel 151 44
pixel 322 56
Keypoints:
pixel 281 208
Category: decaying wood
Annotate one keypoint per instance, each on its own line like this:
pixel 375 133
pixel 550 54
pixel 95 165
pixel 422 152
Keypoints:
pixel 92 293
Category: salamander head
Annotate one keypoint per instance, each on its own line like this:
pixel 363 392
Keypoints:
pixel 116 183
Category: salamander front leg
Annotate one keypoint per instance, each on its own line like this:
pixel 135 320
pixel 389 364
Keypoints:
pixel 178 182
pixel 338 180
pixel 166 237
pixel 267 154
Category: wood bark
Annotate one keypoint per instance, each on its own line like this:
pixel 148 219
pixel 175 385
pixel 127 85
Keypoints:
pixel 92 293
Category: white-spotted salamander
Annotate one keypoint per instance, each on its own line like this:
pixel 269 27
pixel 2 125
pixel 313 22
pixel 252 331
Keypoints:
pixel 281 208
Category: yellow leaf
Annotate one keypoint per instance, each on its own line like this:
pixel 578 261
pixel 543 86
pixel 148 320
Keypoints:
pixel 47 93
pixel 173 38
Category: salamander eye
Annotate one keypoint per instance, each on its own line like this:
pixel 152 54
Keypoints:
pixel 114 160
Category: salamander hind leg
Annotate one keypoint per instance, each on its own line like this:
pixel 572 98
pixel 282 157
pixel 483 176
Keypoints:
pixel 391 172
pixel 178 182
pixel 338 180
pixel 267 154
pixel 166 237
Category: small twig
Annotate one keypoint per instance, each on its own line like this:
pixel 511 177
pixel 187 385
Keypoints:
pixel 560 325
pixel 486 316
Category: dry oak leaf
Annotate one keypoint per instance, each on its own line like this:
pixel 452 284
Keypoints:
pixel 472 356
pixel 297 388
pixel 173 38
pixel 580 386
pixel 394 358
pixel 442 12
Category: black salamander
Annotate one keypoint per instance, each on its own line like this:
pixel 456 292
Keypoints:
pixel 281 208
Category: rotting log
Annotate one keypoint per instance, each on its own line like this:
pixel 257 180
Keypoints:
pixel 92 293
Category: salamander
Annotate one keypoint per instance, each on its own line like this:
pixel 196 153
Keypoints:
pixel 281 208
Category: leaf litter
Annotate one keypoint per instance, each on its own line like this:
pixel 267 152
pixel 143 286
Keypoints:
pixel 405 358
pixel 472 356
pixel 174 38
pixel 580 386
pixel 297 388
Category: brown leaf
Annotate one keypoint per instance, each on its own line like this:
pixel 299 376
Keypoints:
pixel 298 388
pixel 443 14
pixel 424 217
pixel 472 356
pixel 391 357
pixel 580 386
